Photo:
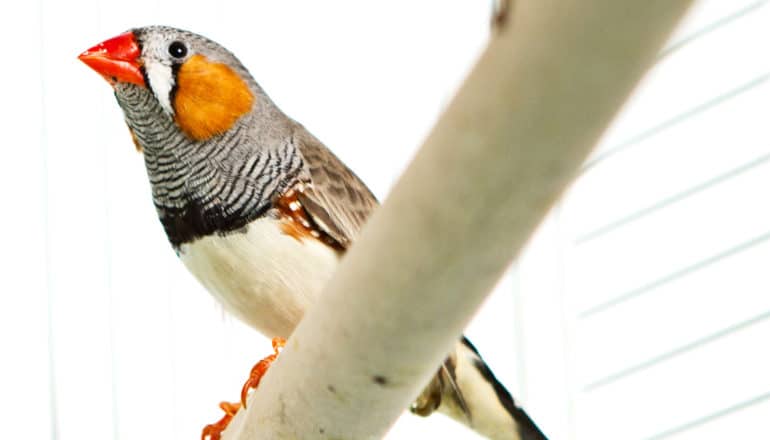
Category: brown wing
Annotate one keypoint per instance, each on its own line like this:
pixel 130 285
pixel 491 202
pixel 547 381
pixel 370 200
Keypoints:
pixel 336 199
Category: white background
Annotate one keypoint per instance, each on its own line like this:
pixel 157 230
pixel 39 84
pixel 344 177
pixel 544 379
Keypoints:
pixel 104 335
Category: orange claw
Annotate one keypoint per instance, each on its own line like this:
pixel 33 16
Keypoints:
pixel 214 431
pixel 260 369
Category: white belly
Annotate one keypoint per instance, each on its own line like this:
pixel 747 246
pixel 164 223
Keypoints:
pixel 263 276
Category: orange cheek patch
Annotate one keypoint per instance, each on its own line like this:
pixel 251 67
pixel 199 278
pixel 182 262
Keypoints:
pixel 210 97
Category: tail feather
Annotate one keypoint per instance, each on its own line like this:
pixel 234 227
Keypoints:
pixel 447 379
pixel 466 390
pixel 527 428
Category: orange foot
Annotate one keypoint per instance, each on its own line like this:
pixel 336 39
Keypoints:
pixel 260 369
pixel 214 431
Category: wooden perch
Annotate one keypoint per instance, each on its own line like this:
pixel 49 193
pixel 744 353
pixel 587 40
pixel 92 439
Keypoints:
pixel 505 149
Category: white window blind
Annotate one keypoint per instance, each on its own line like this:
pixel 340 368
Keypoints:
pixel 654 265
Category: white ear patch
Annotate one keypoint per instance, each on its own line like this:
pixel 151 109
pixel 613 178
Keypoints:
pixel 161 82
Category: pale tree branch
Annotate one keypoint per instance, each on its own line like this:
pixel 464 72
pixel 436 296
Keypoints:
pixel 507 146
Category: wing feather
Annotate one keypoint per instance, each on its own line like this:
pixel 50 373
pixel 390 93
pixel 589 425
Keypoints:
pixel 335 198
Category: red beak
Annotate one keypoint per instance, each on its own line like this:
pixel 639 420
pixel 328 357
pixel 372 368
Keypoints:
pixel 116 59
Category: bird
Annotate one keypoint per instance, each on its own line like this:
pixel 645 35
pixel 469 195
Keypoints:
pixel 257 208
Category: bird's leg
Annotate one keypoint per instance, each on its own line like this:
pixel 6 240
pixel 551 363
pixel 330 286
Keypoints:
pixel 214 430
pixel 260 369
pixel 429 400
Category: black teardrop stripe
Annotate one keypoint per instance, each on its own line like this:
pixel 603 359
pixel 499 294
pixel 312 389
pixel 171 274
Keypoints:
pixel 174 88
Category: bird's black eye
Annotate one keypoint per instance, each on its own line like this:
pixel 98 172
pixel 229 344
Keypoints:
pixel 177 49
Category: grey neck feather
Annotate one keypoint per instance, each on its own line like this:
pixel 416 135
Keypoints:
pixel 218 185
